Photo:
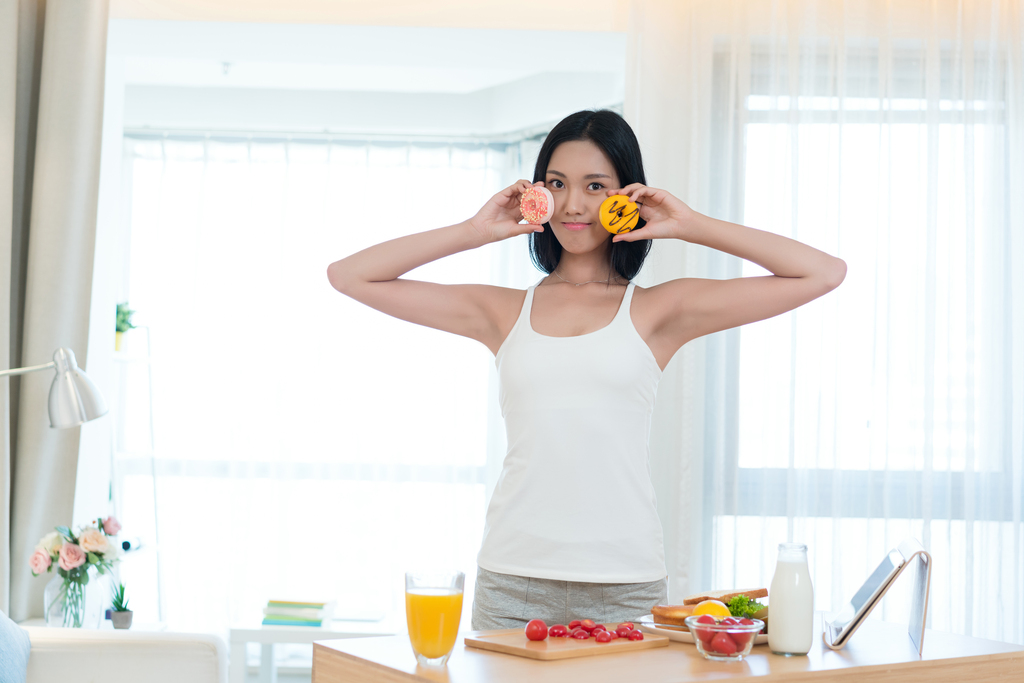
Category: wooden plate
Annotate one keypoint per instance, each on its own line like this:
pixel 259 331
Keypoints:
pixel 514 642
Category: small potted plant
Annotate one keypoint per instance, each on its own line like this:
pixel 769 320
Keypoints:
pixel 124 323
pixel 121 616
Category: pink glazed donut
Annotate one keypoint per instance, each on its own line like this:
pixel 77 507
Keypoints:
pixel 537 205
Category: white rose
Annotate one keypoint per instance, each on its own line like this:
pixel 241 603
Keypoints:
pixel 113 551
pixel 52 542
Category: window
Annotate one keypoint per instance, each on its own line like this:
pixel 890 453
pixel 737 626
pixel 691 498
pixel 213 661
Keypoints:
pixel 306 446
pixel 880 411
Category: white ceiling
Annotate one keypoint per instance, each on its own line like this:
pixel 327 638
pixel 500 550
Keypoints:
pixel 366 79
pixel 564 15
pixel 353 58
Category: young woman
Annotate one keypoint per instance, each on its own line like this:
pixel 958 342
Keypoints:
pixel 579 356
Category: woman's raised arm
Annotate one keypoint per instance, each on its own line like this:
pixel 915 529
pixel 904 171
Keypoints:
pixel 688 308
pixel 372 276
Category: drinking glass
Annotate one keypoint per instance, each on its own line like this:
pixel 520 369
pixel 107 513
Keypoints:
pixel 433 608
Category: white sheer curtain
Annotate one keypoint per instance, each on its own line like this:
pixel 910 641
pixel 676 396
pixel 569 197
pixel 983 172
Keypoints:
pixel 307 447
pixel 891 135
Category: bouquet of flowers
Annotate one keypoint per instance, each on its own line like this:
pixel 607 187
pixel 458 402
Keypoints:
pixel 74 554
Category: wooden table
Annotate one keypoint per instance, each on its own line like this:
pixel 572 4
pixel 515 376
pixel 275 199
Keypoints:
pixel 878 651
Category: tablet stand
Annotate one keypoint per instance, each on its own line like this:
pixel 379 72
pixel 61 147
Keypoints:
pixel 914 555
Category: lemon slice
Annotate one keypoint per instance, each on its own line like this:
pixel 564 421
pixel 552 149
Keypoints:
pixel 715 608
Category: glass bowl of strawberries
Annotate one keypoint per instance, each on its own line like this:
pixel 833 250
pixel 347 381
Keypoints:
pixel 723 640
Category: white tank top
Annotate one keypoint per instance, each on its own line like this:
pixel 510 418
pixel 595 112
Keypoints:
pixel 575 501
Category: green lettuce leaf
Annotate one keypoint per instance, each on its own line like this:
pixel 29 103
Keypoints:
pixel 741 606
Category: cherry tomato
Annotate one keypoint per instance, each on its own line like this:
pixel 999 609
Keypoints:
pixel 598 627
pixel 730 621
pixel 574 624
pixel 706 619
pixel 603 637
pixel 705 635
pixel 723 644
pixel 536 630
pixel 741 639
pixel 622 631
pixel 558 631
pixel 635 635
pixel 615 636
pixel 627 624
pixel 579 634
pixel 587 625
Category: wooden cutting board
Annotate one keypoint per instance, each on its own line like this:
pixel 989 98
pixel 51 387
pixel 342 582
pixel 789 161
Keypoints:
pixel 514 642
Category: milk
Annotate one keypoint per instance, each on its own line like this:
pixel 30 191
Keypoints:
pixel 791 603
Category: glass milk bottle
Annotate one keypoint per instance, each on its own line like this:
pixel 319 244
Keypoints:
pixel 791 603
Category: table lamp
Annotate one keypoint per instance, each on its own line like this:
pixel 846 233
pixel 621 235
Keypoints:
pixel 74 399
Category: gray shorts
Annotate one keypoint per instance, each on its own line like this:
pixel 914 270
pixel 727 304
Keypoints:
pixel 507 601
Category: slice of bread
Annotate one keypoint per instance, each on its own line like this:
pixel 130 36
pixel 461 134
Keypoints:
pixel 726 595
pixel 671 614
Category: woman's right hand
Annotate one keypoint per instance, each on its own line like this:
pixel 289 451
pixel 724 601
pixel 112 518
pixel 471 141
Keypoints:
pixel 499 218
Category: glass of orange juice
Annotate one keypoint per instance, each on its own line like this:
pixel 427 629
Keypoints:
pixel 433 608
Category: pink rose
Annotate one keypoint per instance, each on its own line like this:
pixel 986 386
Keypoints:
pixel 111 526
pixel 71 556
pixel 39 562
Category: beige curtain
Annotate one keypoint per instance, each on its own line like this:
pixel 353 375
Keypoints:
pixel 52 59
pixel 892 135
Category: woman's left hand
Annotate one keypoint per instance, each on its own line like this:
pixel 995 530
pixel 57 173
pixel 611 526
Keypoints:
pixel 666 215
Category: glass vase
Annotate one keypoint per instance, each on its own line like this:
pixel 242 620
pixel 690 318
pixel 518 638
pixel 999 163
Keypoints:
pixel 77 601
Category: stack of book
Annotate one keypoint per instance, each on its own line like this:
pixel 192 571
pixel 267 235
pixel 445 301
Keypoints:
pixel 291 613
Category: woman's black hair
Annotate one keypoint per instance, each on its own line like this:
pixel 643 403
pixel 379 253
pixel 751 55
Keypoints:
pixel 612 134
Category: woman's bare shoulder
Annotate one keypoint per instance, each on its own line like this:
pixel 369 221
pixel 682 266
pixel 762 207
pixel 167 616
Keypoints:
pixel 504 300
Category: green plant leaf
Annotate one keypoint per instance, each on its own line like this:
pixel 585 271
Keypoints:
pixel 120 604
pixel 123 321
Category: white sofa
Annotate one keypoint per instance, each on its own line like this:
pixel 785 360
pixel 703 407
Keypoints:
pixel 108 656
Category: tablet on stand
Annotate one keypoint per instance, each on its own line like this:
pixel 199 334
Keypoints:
pixel 910 553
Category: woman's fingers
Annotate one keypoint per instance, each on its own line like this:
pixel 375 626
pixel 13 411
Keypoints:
pixel 626 190
pixel 632 235
pixel 638 191
pixel 650 194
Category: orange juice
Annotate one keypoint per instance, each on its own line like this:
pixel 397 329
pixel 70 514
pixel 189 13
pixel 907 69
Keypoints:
pixel 433 615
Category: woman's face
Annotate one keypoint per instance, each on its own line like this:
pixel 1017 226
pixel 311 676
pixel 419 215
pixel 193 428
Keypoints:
pixel 578 176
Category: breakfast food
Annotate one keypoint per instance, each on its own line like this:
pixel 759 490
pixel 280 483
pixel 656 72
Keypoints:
pixel 743 607
pixel 672 614
pixel 728 638
pixel 537 205
pixel 720 603
pixel 536 629
pixel 618 214
pixel 725 596
pixel 715 608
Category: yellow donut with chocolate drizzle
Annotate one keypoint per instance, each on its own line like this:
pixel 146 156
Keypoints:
pixel 618 214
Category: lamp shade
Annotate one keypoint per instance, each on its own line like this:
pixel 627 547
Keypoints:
pixel 74 399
